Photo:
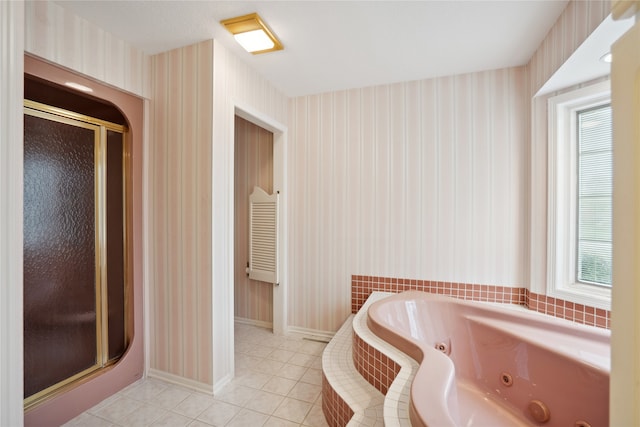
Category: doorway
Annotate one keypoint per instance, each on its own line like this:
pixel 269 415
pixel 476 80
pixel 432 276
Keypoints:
pixel 75 238
pixel 253 166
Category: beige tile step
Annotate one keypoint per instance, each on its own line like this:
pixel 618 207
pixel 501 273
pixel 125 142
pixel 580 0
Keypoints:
pixel 370 407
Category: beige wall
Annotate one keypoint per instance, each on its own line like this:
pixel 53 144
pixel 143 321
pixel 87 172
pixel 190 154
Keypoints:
pixel 575 24
pixel 59 36
pixel 235 86
pixel 180 311
pixel 191 181
pixel 11 183
pixel 429 180
pixel 423 180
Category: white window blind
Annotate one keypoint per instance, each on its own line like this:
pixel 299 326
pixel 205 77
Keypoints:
pixel 594 169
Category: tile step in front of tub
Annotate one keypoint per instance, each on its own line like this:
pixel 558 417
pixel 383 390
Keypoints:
pixel 347 398
pixel 347 390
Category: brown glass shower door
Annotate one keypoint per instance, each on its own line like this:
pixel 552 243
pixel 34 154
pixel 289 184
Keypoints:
pixel 74 248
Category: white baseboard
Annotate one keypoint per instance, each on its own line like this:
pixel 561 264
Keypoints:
pixel 310 333
pixel 259 323
pixel 291 330
pixel 181 381
pixel 221 384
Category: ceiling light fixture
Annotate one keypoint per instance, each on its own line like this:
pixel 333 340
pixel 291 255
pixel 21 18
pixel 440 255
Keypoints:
pixel 252 34
pixel 606 57
pixel 78 86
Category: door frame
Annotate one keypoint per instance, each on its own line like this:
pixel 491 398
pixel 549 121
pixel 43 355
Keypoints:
pixel 625 326
pixel 279 185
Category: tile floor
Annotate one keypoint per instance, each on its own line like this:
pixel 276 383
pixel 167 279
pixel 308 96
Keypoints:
pixel 277 383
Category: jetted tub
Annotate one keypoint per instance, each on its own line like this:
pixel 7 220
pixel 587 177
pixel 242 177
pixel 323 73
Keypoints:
pixel 485 364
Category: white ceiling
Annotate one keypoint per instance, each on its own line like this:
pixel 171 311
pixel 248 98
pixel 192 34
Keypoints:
pixel 334 45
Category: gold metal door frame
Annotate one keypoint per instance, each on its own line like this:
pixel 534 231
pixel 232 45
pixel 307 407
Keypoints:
pixel 100 128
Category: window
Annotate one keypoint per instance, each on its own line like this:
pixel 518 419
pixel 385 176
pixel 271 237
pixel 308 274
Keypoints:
pixel 595 198
pixel 580 196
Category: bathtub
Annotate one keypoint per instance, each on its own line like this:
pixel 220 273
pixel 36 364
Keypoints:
pixel 485 364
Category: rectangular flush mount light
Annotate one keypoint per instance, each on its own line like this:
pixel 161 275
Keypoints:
pixel 252 34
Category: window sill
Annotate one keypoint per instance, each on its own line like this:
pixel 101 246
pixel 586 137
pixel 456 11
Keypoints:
pixel 580 293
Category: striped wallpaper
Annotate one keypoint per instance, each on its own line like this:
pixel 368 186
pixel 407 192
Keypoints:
pixel 253 300
pixel 382 180
pixel 11 173
pixel 180 317
pixel 424 179
pixel 61 37
pixel 191 210
pixel 575 24
pixel 234 85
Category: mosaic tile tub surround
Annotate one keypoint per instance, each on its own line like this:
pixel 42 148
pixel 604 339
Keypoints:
pixel 366 381
pixel 363 286
pixel 337 411
pixel 381 365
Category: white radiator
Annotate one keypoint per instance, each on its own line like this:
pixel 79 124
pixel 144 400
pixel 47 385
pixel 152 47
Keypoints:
pixel 263 236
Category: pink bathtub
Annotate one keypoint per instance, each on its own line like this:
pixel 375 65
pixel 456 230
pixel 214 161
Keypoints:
pixel 487 364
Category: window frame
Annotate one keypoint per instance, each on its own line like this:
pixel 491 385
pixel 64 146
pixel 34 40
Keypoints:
pixel 608 150
pixel 562 221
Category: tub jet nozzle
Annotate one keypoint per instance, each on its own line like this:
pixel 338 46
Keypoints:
pixel 506 379
pixel 443 347
pixel 539 411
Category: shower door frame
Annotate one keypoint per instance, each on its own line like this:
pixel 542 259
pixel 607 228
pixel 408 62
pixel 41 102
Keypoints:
pixel 100 129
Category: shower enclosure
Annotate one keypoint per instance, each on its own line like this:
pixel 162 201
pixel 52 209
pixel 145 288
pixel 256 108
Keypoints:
pixel 75 245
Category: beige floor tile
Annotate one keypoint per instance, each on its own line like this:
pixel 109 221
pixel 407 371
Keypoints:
pixel 305 392
pixel 219 413
pixel 271 341
pixel 279 422
pixel 259 351
pixel 88 420
pixel 302 359
pixel 236 394
pixel 144 416
pixel 252 379
pixel 172 420
pixel 279 385
pixel 119 409
pixel 281 355
pixel 317 363
pixel 194 405
pixel 106 402
pixel 264 402
pixel 291 344
pixel 312 347
pixel 292 372
pixel 269 366
pixel 248 418
pixel 145 389
pixel 170 398
pixel 198 423
pixel 315 418
pixel 312 376
pixel 293 410
pixel 244 362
